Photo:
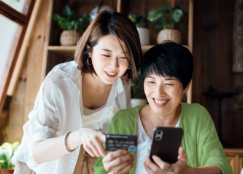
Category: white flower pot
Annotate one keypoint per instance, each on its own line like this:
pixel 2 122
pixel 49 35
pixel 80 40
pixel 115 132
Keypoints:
pixel 137 102
pixel 144 36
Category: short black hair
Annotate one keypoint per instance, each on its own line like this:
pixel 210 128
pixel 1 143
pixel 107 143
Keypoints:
pixel 168 59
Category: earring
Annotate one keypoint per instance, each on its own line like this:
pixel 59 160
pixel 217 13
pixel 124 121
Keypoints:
pixel 129 67
pixel 186 92
pixel 88 61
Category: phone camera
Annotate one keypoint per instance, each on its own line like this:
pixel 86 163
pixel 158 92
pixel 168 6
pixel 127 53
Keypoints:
pixel 158 135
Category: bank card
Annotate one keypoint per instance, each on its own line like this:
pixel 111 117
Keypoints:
pixel 119 141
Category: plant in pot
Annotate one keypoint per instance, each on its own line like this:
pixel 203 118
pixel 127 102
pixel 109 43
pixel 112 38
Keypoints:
pixel 6 152
pixel 70 26
pixel 138 95
pixel 139 21
pixel 166 24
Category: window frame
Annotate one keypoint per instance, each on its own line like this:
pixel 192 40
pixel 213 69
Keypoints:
pixel 23 20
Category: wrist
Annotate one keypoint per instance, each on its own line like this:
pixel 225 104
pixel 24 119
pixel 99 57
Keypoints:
pixel 73 140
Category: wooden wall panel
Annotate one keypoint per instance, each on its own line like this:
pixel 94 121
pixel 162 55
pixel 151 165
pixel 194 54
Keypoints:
pixel 213 51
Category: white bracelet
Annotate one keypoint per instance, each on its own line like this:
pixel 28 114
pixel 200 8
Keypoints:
pixel 65 143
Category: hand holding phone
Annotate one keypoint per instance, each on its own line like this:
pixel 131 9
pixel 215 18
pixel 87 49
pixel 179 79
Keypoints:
pixel 165 143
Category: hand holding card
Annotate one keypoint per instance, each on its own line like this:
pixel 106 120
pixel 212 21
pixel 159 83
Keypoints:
pixel 118 141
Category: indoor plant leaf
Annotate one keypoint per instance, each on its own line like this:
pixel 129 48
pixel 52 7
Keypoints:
pixel 158 24
pixel 66 12
pixel 5 145
pixel 140 20
pixel 165 9
pixel 81 24
pixel 85 16
pixel 162 23
pixel 3 155
pixel 56 17
pixel 240 111
pixel 176 15
pixel 132 17
pixel 154 15
pixel 15 145
pixel 63 25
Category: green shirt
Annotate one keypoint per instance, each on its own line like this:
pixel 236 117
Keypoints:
pixel 200 139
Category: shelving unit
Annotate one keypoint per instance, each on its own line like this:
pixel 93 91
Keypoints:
pixel 55 54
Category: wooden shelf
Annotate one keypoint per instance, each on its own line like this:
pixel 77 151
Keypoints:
pixel 68 51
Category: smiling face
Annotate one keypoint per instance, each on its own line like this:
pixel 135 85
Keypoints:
pixel 164 94
pixel 108 59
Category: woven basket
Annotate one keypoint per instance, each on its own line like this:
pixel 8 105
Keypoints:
pixel 169 34
pixel 69 38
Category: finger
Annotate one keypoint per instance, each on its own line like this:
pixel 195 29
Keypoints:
pixel 128 168
pixel 163 165
pixel 99 146
pixel 94 149
pixel 112 155
pixel 120 160
pixel 151 165
pixel 89 150
pixel 122 168
pixel 182 154
pixel 147 168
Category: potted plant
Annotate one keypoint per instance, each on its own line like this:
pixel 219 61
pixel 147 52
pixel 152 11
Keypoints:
pixel 166 24
pixel 70 26
pixel 6 152
pixel 138 95
pixel 139 21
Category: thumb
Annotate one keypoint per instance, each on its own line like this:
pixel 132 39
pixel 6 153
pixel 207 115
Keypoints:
pixel 182 154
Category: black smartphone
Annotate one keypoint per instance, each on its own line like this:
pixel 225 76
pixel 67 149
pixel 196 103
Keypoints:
pixel 165 143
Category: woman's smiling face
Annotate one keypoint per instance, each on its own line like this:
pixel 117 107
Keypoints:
pixel 164 94
pixel 109 59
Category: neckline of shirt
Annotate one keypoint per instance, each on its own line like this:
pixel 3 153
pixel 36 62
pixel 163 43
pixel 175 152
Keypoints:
pixel 88 111
pixel 145 133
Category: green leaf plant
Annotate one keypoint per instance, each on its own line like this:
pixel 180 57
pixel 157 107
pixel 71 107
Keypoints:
pixel 162 22
pixel 69 20
pixel 138 20
pixel 6 152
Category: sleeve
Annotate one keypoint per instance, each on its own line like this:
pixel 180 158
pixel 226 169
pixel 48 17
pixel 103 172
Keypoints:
pixel 210 148
pixel 43 121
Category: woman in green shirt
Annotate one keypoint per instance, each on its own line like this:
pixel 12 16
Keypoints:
pixel 167 72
